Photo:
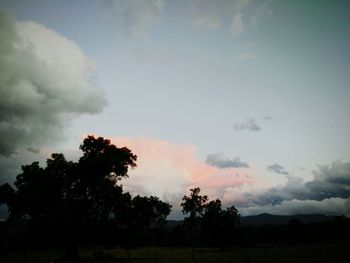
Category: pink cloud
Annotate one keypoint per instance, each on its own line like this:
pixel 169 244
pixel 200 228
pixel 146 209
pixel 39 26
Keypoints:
pixel 168 170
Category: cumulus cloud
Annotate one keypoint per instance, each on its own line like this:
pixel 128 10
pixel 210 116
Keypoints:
pixel 221 161
pixel 45 81
pixel 235 16
pixel 250 125
pixel 134 17
pixel 332 181
pixel 277 168
pixel 168 170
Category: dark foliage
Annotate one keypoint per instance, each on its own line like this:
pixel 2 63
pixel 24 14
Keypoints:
pixel 207 221
pixel 74 202
pixel 71 203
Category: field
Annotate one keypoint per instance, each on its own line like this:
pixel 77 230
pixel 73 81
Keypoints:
pixel 307 254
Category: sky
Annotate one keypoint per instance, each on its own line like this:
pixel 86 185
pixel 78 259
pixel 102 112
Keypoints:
pixel 246 99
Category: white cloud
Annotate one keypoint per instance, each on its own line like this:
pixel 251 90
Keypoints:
pixel 168 170
pixel 45 81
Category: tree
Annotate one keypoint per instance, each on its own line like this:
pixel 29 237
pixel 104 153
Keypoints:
pixel 212 219
pixel 193 205
pixel 218 225
pixel 147 213
pixel 70 195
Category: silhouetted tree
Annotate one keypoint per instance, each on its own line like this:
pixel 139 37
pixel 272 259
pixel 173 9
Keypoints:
pixel 212 221
pixel 193 205
pixel 147 213
pixel 70 195
pixel 218 225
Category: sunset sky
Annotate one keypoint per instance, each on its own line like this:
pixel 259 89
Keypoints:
pixel 247 99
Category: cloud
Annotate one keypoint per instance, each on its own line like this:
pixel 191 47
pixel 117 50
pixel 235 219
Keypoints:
pixel 250 124
pixel 329 206
pixel 33 150
pixel 332 181
pixel 277 168
pixel 236 16
pixel 237 26
pixel 220 161
pixel 134 17
pixel 211 22
pixel 168 170
pixel 267 118
pixel 45 81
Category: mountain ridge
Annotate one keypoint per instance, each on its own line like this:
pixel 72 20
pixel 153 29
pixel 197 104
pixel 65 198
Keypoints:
pixel 270 219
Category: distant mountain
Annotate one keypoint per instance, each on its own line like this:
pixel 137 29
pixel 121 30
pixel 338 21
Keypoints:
pixel 268 219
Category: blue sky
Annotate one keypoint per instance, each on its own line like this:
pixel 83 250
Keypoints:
pixel 223 83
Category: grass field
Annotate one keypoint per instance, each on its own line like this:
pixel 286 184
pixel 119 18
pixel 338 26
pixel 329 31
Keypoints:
pixel 307 254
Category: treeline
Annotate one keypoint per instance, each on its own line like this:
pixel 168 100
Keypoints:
pixel 214 227
pixel 177 234
pixel 67 204
pixel 70 203
pixel 297 233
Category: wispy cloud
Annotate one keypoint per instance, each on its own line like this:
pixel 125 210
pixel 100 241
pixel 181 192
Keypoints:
pixel 250 125
pixel 211 22
pixel 236 16
pixel 267 118
pixel 221 161
pixel 277 168
pixel 134 17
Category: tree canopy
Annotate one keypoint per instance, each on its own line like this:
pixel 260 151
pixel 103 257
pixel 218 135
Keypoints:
pixel 208 216
pixel 69 195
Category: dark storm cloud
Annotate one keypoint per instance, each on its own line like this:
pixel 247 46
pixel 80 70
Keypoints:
pixel 221 161
pixel 331 181
pixel 277 168
pixel 44 83
pixel 250 125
